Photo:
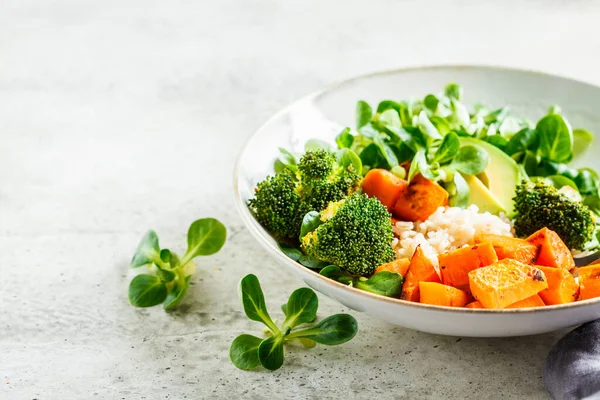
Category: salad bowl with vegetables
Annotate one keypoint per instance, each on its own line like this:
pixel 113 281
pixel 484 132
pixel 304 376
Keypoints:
pixel 452 200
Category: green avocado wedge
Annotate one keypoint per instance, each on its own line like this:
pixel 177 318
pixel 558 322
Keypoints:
pixel 494 189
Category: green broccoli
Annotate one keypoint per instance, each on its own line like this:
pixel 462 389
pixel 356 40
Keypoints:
pixel 316 164
pixel 539 205
pixel 281 201
pixel 278 206
pixel 355 234
pixel 323 180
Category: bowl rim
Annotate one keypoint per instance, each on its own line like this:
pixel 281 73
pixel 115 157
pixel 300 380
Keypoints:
pixel 266 239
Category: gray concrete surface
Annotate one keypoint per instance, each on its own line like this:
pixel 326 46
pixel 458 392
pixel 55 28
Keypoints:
pixel 121 115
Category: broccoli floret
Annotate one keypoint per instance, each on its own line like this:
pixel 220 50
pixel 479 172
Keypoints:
pixel 316 164
pixel 355 234
pixel 323 180
pixel 281 201
pixel 539 205
pixel 277 205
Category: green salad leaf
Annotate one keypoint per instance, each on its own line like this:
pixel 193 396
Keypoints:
pixel 581 141
pixel 244 352
pixel 205 237
pixel 448 149
pixel 347 157
pixel 248 352
pixel 364 112
pixel 385 283
pixel 170 275
pixel 253 301
pixel 311 221
pixel 177 293
pixel 470 160
pixel 147 251
pixel 459 194
pixel 345 139
pixel 331 331
pixel 301 308
pixel 147 291
pixel 555 138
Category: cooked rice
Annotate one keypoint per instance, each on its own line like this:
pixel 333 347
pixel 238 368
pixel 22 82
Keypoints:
pixel 447 229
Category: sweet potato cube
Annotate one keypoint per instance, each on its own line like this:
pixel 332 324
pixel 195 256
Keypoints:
pixel 441 295
pixel 474 304
pixel 533 301
pixel 589 281
pixel 456 265
pixel 420 270
pixel 506 282
pixel 384 186
pixel 420 199
pixel 510 247
pixel 562 287
pixel 553 252
pixel 399 266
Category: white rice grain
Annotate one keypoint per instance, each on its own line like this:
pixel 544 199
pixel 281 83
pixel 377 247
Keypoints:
pixel 447 229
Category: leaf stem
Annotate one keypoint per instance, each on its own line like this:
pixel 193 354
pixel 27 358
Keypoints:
pixel 158 261
pixel 302 333
pixel 185 259
pixel 269 323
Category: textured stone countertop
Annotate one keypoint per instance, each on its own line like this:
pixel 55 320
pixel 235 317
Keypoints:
pixel 121 115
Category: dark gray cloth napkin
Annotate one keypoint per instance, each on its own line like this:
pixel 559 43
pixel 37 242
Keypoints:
pixel 572 370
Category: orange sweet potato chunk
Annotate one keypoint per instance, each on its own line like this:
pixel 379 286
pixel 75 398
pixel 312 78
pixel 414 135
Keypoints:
pixel 474 304
pixel 510 247
pixel 399 266
pixel 562 287
pixel 420 270
pixel 384 186
pixel 441 295
pixel 456 265
pixel 506 282
pixel 420 199
pixel 533 301
pixel 552 250
pixel 589 281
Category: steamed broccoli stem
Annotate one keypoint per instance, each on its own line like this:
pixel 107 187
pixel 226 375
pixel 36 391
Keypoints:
pixel 538 205
pixel 281 201
pixel 356 234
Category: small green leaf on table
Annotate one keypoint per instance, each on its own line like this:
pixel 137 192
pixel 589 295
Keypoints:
pixel 301 308
pixel 253 301
pixel 331 331
pixel 147 251
pixel 243 352
pixel 270 352
pixel 206 236
pixel 147 291
pixel 177 293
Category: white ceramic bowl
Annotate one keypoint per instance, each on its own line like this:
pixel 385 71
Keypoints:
pixel 323 114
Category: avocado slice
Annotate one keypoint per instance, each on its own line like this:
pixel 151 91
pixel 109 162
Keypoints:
pixel 502 176
pixel 482 197
pixel 484 179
